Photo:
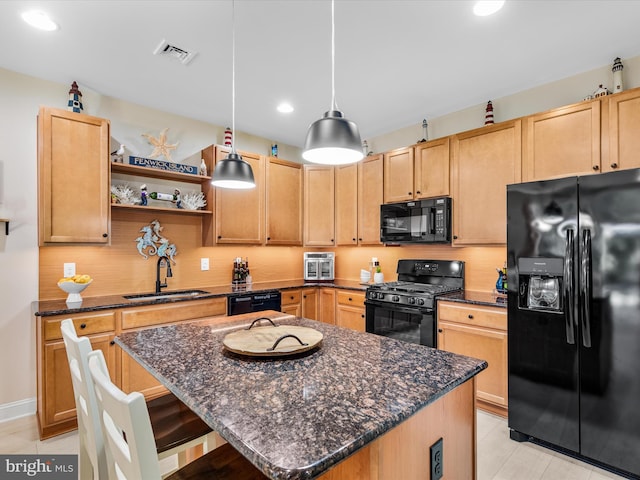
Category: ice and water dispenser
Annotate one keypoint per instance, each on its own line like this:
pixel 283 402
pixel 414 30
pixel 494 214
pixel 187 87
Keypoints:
pixel 540 283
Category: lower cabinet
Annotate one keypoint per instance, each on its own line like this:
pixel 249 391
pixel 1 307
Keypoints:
pixel 301 302
pixel 291 302
pixel 56 409
pixel 350 310
pixel 480 332
pixel 327 305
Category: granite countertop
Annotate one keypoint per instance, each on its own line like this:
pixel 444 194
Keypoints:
pixel 296 417
pixel 476 298
pixel 91 304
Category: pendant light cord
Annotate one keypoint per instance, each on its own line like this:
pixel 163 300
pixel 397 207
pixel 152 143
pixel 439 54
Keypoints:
pixel 233 76
pixel 334 106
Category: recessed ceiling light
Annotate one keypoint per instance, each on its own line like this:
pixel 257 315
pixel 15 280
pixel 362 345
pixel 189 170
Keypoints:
pixel 40 20
pixel 487 7
pixel 285 107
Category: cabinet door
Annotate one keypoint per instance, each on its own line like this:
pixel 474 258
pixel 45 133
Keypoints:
pixel 370 197
pixel 328 305
pixel 284 202
pixel 350 317
pixel 319 206
pixel 347 204
pixel 292 302
pixel 134 378
pixel 240 213
pixel 59 404
pixel 487 344
pixel 562 142
pixel 310 303
pixel 624 125
pixel 74 196
pixel 431 169
pixel 485 161
pixel 398 175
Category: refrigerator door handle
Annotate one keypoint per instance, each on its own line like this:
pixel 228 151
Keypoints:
pixel 568 287
pixel 585 289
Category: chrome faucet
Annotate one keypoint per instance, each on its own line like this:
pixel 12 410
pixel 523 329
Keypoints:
pixel 160 286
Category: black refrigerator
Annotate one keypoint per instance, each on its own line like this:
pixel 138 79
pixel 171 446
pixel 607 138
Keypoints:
pixel 573 258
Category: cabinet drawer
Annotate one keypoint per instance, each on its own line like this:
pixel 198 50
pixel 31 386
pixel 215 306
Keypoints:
pixel 488 317
pixel 173 312
pixel 291 297
pixel 85 324
pixel 350 298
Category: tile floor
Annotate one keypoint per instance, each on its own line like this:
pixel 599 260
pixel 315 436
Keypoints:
pixel 499 458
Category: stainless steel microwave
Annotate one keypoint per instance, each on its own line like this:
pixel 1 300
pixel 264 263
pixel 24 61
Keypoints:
pixel 420 221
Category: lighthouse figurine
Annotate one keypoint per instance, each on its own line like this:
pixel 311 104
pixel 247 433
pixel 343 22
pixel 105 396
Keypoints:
pixel 488 117
pixel 617 75
pixel 75 99
pixel 228 137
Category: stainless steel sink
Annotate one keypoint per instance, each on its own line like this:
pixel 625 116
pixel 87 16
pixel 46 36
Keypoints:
pixel 158 296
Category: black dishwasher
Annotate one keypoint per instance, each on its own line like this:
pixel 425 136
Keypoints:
pixel 253 302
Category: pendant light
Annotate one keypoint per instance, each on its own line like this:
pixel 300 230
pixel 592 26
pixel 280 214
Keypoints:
pixel 233 171
pixel 333 140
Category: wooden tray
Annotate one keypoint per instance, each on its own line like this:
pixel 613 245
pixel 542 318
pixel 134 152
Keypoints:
pixel 272 341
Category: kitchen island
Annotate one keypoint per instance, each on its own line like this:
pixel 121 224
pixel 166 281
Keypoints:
pixel 360 406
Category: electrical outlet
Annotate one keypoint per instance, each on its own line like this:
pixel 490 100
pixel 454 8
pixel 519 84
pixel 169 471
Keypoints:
pixel 436 460
pixel 204 264
pixel 69 269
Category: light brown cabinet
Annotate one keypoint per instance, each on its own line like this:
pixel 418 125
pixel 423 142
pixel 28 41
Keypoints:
pixel 327 305
pixel 431 168
pixel 346 185
pixel 291 302
pixel 350 310
pixel 484 162
pixel 240 213
pixel 398 175
pixel 284 202
pixel 562 142
pixel 55 404
pixel 301 303
pixel 370 197
pixel 319 206
pixel 623 127
pixel 310 303
pixel 480 332
pixel 73 178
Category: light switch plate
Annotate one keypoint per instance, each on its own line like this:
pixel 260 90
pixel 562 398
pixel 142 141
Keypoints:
pixel 69 269
pixel 204 264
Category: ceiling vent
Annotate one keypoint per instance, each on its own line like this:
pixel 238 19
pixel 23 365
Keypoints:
pixel 166 50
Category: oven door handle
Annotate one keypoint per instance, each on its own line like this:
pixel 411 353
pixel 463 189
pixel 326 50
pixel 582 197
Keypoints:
pixel 398 308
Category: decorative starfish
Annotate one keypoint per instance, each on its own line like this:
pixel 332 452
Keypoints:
pixel 160 146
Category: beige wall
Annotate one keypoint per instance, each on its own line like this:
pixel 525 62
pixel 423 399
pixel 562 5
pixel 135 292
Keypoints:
pixel 21 96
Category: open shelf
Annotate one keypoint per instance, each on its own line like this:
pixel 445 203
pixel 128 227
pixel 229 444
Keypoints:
pixel 180 211
pixel 157 173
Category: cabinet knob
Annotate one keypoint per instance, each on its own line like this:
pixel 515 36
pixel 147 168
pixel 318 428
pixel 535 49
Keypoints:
pixel 418 192
pixel 105 235
pixel 350 299
pixel 360 239
pixel 291 297
pixel 409 193
pixel 439 330
pixel 353 239
pixel 304 296
pixel 455 237
pixel 362 316
pixel 268 238
pixel 332 240
pixel 596 168
pixel 470 316
pixel 614 165
pixel 112 342
pixel 219 236
pixel 83 325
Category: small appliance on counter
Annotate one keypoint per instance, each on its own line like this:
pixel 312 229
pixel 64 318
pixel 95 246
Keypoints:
pixel 319 266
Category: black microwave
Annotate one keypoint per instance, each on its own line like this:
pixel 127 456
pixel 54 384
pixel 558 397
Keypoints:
pixel 421 221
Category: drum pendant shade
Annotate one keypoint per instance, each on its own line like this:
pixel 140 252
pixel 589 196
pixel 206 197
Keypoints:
pixel 233 172
pixel 333 140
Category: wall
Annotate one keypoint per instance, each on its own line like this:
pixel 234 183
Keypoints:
pixel 20 97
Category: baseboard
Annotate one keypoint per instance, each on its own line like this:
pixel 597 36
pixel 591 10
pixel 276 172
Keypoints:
pixel 21 408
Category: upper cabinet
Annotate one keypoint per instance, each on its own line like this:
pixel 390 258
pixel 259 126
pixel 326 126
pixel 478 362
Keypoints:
pixel 370 197
pixel 346 204
pixel 319 206
pixel 431 169
pixel 562 142
pixel 623 129
pixel 484 162
pixel 73 178
pixel 240 213
pixel 284 202
pixel 398 175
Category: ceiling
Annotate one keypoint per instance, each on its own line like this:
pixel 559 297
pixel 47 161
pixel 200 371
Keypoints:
pixel 397 61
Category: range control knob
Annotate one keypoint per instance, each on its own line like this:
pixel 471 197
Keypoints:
pixel 395 298
pixel 412 300
pixel 420 301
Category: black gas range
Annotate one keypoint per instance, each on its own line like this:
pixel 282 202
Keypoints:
pixel 405 309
